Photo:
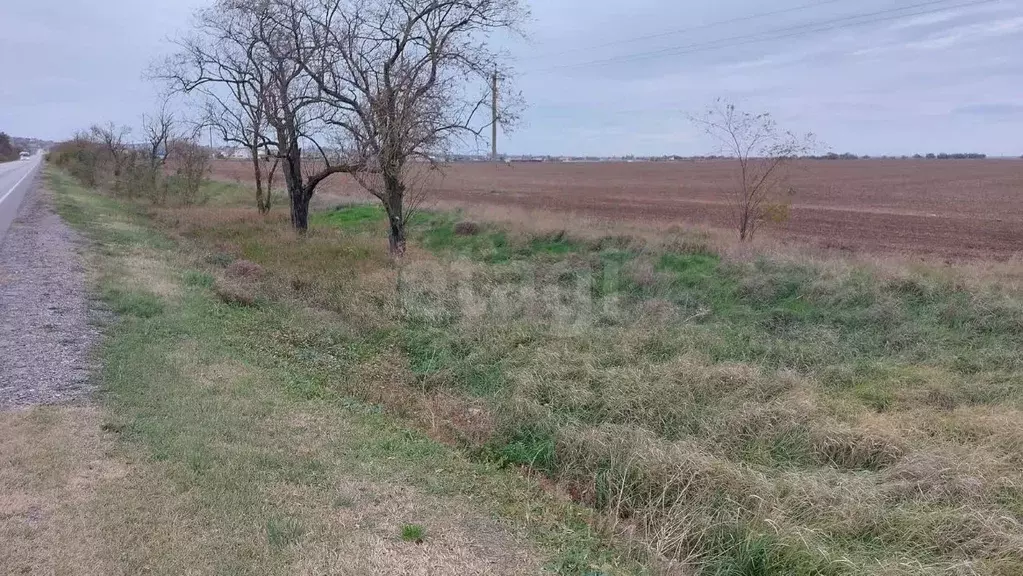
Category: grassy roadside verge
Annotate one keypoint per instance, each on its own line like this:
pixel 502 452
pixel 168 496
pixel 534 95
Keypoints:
pixel 733 416
pixel 235 453
pixel 746 416
pixel 754 415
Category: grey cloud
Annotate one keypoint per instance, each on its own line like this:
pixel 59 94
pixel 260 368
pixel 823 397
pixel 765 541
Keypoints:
pixel 946 80
pixel 995 110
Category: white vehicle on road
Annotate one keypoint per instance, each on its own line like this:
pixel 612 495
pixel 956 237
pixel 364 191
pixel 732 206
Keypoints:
pixel 25 155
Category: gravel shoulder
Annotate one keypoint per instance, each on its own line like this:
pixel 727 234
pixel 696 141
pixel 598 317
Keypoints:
pixel 45 333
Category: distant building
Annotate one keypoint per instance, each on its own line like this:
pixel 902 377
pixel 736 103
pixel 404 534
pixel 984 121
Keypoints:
pixel 233 153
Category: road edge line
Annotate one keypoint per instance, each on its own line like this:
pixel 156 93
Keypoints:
pixel 16 184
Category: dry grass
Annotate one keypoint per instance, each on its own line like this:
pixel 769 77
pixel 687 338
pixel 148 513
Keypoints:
pixel 144 272
pixel 55 468
pixel 710 429
pixel 727 411
pixel 225 441
pixel 368 521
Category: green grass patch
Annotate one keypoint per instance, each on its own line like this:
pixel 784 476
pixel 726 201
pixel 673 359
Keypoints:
pixel 740 553
pixel 284 532
pixel 529 446
pixel 197 279
pixel 350 217
pixel 138 304
pixel 413 533
pixel 436 232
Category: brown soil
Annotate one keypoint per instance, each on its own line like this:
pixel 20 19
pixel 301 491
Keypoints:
pixel 955 209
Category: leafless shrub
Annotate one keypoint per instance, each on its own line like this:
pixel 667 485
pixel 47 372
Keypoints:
pixel 101 157
pixel 191 164
pixel 158 131
pixel 763 154
pixel 113 141
pixel 80 157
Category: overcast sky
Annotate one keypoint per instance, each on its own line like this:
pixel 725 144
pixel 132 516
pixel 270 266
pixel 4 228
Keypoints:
pixel 616 77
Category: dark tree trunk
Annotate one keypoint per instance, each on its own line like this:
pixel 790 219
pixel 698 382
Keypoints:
pixel 396 239
pixel 299 201
pixel 300 211
pixel 296 188
pixel 261 204
pixel 394 204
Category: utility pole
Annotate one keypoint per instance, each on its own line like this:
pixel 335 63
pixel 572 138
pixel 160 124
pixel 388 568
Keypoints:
pixel 493 126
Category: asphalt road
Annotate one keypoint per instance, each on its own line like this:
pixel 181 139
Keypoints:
pixel 15 180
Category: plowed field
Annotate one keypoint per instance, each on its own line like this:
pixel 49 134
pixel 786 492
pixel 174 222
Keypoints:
pixel 951 208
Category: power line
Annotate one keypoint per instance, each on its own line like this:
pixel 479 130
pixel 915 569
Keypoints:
pixel 782 33
pixel 635 39
pixel 771 35
pixel 779 34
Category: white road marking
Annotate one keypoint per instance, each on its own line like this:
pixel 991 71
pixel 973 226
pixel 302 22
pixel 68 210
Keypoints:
pixel 18 183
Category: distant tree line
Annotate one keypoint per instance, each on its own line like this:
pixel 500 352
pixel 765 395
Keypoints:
pixel 8 151
pixel 930 156
pixel 680 158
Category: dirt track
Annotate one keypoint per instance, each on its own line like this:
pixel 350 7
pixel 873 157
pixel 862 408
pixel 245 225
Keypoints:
pixel 961 208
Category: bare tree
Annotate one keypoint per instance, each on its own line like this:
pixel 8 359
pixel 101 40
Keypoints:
pixel 271 162
pixel 764 155
pixel 221 63
pixel 244 124
pixel 112 139
pixel 81 156
pixel 158 131
pixel 402 80
pixel 242 60
pixel 191 163
pixel 234 105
